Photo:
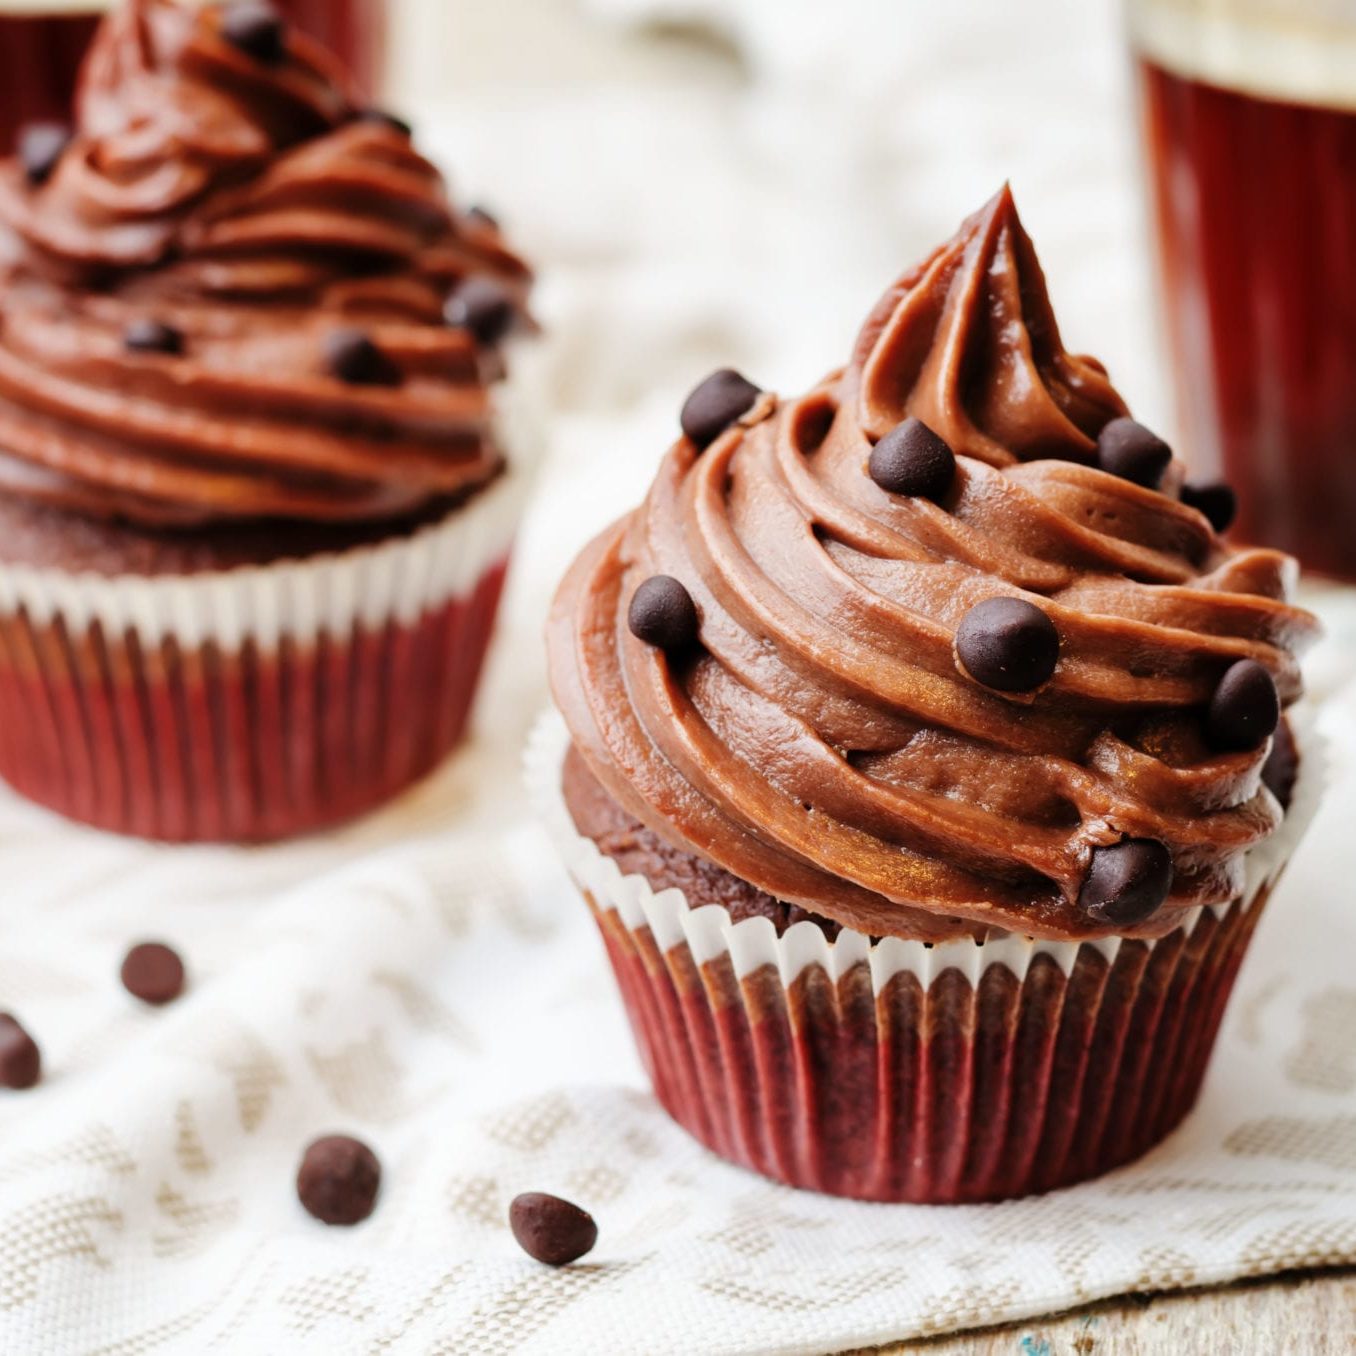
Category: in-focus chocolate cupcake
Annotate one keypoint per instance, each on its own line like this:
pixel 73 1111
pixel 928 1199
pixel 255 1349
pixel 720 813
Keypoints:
pixel 256 497
pixel 924 762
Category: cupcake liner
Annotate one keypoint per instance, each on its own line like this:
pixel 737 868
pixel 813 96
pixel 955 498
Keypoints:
pixel 253 703
pixel 903 1071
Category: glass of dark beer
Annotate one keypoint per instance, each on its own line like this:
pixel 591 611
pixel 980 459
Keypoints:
pixel 1249 119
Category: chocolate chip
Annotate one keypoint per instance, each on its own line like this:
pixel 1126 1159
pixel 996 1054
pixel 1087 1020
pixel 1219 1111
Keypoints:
pixel 1217 502
pixel 483 216
pixel 354 358
pixel 385 118
pixel 911 459
pixel 663 614
pixel 153 973
pixel 1245 709
pixel 1008 644
pixel 20 1059
pixel 1127 882
pixel 715 404
pixel 1131 451
pixel 551 1230
pixel 257 29
pixel 41 146
pixel 338 1180
pixel 484 307
pixel 152 336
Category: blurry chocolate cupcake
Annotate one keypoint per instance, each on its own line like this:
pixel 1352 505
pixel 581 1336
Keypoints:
pixel 256 497
pixel 923 756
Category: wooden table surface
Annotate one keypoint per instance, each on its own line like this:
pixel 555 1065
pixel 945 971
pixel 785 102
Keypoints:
pixel 1302 1314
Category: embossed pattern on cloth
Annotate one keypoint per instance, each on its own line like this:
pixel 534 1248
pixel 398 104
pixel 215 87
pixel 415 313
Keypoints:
pixel 442 996
pixel 173 289
pixel 828 743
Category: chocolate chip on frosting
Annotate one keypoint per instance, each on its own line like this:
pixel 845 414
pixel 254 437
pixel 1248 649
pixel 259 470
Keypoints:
pixel 482 216
pixel 354 357
pixel 154 973
pixel 551 1230
pixel 41 146
pixel 1217 502
pixel 1127 882
pixel 1129 450
pixel 482 306
pixel 257 29
pixel 1008 644
pixel 20 1058
pixel 385 118
pixel 1245 709
pixel 338 1180
pixel 663 614
pixel 152 336
pixel 715 404
pixel 912 460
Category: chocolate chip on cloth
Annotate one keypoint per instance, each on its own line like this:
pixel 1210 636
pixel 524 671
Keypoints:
pixel 715 404
pixel 338 1180
pixel 551 1230
pixel 20 1058
pixel 154 973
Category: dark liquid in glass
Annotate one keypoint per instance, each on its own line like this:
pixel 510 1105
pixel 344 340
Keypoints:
pixel 1255 208
pixel 40 54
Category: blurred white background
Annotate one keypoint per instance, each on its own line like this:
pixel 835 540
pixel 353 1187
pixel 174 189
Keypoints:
pixel 702 182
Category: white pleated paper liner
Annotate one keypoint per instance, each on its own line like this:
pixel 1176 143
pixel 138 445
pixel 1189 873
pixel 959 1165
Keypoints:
pixel 753 942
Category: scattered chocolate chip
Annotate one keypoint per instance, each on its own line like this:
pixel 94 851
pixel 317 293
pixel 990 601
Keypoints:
pixel 257 29
pixel 1217 502
pixel 152 336
pixel 1008 644
pixel 41 146
pixel 1127 882
pixel 551 1230
pixel 663 614
pixel 911 459
pixel 386 118
pixel 715 404
pixel 338 1180
pixel 483 216
pixel 1245 709
pixel 20 1059
pixel 153 973
pixel 1131 451
pixel 1281 769
pixel 484 307
pixel 354 358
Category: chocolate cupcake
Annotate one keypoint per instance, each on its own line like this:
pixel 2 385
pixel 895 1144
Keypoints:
pixel 256 493
pixel 915 756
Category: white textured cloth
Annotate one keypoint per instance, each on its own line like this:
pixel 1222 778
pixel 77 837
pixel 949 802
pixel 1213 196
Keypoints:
pixel 429 982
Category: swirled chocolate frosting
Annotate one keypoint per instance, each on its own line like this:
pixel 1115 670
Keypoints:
pixel 226 299
pixel 810 723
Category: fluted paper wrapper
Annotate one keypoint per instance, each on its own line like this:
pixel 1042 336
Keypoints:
pixel 253 703
pixel 902 1071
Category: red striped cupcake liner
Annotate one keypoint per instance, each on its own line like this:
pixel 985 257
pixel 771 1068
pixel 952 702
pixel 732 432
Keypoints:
pixel 899 1071
pixel 251 704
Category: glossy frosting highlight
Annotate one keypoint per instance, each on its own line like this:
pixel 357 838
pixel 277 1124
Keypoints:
pixel 824 744
pixel 251 207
